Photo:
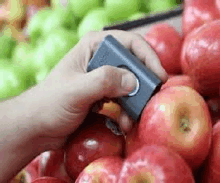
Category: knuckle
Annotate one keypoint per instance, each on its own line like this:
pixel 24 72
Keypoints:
pixel 136 36
pixel 89 34
pixel 106 78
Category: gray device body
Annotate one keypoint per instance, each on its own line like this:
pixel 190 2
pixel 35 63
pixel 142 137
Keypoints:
pixel 111 52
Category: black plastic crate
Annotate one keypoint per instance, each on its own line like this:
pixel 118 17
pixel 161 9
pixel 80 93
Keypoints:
pixel 148 19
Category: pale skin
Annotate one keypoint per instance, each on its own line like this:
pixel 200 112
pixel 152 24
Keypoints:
pixel 41 118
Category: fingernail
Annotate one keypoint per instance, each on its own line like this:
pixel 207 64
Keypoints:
pixel 125 122
pixel 129 82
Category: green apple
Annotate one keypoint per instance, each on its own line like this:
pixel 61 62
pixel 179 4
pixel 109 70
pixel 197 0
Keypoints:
pixel 34 28
pixel 81 7
pixel 42 74
pixel 59 18
pixel 32 60
pixel 7 45
pixel 121 9
pixel 137 16
pixel 40 62
pixel 57 44
pixel 47 20
pixel 55 4
pixel 51 50
pixel 95 20
pixel 13 80
pixel 159 5
pixel 23 56
pixel 143 7
pixel 70 20
pixel 178 1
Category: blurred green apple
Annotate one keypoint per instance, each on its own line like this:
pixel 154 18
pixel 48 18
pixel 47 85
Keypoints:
pixel 13 80
pixel 55 4
pixel 51 50
pixel 137 16
pixel 7 45
pixel 40 62
pixel 95 20
pixel 23 56
pixel 59 18
pixel 81 7
pixel 57 44
pixel 34 28
pixel 32 60
pixel 47 20
pixel 121 9
pixel 143 7
pixel 159 5
pixel 42 74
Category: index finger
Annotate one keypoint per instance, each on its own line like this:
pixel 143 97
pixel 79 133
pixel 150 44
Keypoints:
pixel 134 42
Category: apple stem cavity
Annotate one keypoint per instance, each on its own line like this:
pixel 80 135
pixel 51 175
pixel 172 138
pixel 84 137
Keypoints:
pixel 184 124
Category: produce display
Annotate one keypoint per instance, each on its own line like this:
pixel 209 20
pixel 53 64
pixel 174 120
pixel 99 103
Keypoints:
pixel 39 33
pixel 177 137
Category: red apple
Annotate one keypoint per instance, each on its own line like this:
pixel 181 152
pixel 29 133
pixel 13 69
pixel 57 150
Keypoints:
pixel 167 43
pixel 177 117
pixel 197 13
pixel 178 80
pixel 52 165
pixel 91 141
pixel 132 142
pixel 48 180
pixel 212 167
pixel 155 164
pixel 217 3
pixel 102 170
pixel 30 172
pixel 200 58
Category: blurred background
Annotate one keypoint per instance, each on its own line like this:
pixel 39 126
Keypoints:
pixel 36 34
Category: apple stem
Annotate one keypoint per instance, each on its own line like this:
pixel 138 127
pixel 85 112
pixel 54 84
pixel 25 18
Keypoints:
pixel 184 124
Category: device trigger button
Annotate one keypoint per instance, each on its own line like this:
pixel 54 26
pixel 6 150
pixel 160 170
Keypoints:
pixel 134 92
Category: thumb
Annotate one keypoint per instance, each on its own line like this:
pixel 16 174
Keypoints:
pixel 106 82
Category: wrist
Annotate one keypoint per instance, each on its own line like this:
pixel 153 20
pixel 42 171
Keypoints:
pixel 19 137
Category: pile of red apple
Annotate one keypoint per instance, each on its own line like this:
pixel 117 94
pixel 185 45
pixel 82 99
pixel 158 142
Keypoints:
pixel 177 138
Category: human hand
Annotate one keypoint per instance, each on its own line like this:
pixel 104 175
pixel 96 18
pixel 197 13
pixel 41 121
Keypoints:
pixel 61 102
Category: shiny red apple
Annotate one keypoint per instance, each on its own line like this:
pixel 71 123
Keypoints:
pixel 166 42
pixel 176 117
pixel 155 164
pixel 211 173
pixel 93 140
pixel 31 171
pixel 217 3
pixel 178 80
pixel 52 165
pixel 200 58
pixel 197 13
pixel 102 170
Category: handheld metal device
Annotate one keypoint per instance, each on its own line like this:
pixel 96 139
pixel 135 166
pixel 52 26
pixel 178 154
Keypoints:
pixel 111 52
